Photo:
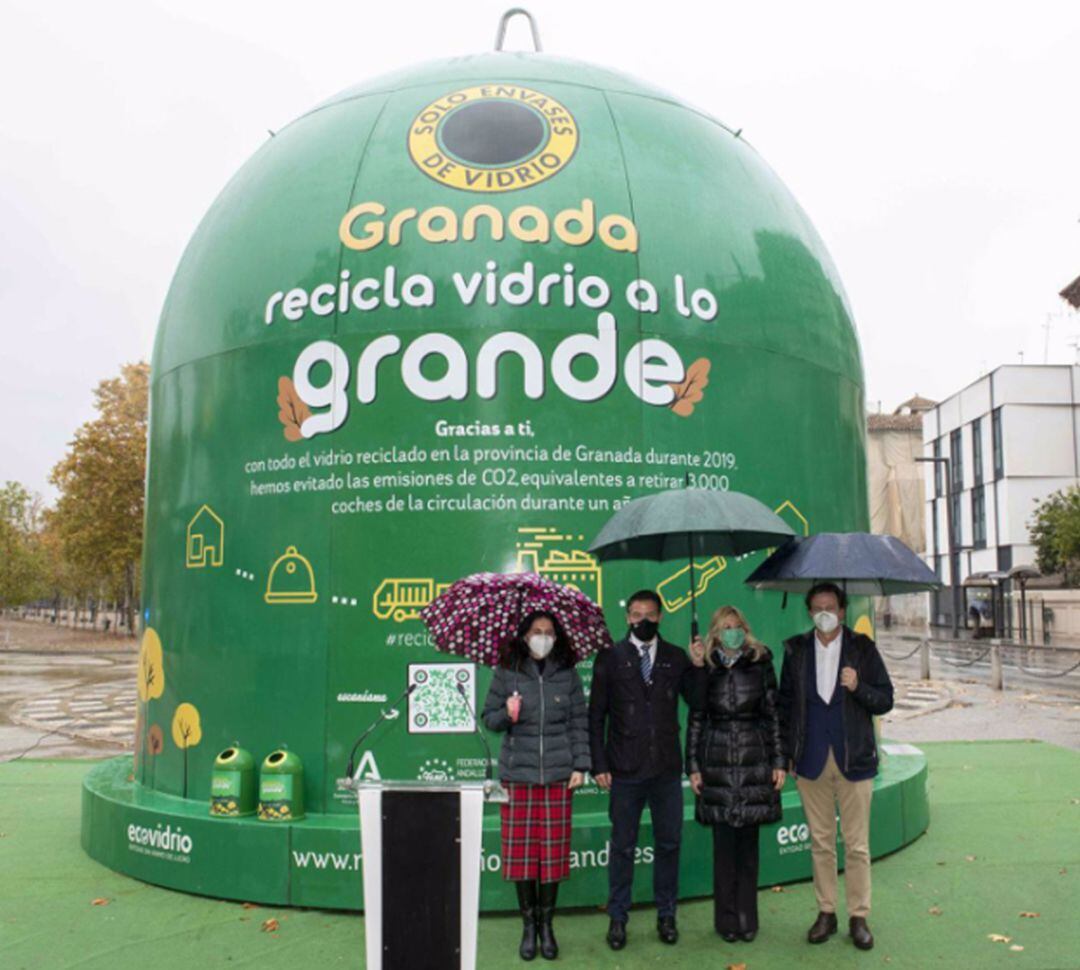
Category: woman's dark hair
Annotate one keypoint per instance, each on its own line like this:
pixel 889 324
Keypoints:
pixel 515 651
pixel 841 596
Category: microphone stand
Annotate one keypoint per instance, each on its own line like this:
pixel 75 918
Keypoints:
pixel 384 715
pixel 493 791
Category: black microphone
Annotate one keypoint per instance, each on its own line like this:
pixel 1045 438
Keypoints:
pixel 383 716
pixel 479 733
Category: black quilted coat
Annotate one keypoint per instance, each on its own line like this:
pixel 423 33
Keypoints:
pixel 734 741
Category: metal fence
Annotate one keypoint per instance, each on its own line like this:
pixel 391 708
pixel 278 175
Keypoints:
pixel 1021 660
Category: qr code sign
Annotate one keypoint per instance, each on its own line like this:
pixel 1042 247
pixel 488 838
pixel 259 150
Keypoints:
pixel 436 706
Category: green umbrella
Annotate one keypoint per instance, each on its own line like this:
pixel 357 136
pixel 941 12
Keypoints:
pixel 689 522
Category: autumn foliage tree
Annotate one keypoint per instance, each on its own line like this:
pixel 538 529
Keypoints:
pixel 98 519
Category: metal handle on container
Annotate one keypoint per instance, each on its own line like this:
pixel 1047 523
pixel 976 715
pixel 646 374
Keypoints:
pixel 504 20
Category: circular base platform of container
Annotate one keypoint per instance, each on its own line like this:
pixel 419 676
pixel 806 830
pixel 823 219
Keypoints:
pixel 315 861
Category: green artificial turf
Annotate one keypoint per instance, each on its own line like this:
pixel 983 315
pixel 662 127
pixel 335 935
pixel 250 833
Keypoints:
pixel 1004 839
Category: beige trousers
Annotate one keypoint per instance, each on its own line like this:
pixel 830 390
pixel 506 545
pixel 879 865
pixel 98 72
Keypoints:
pixel 820 799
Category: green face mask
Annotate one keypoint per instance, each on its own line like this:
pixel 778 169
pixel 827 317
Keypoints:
pixel 733 637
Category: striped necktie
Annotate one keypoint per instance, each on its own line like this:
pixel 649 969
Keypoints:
pixel 646 664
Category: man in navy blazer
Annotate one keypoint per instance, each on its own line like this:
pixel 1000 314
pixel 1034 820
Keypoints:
pixel 636 753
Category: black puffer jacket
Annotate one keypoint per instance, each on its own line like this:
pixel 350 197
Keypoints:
pixel 734 741
pixel 551 738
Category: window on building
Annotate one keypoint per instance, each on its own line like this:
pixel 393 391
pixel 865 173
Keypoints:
pixel 1004 558
pixel 939 479
pixel 998 443
pixel 978 517
pixel 937 528
pixel 977 450
pixel 956 459
pixel 957 523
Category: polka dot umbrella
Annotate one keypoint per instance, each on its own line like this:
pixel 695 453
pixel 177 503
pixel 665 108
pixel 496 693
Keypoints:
pixel 478 614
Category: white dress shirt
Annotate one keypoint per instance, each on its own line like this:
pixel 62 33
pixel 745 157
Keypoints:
pixel 638 644
pixel 827 665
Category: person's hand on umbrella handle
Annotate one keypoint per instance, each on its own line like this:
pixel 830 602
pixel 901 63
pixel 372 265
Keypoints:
pixel 697 652
pixel 577 779
pixel 603 780
pixel 513 707
pixel 695 782
pixel 779 776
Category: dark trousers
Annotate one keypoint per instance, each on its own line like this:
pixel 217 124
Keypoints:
pixel 628 800
pixel 735 878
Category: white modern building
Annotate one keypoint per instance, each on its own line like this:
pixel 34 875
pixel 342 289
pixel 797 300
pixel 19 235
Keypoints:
pixel 1011 439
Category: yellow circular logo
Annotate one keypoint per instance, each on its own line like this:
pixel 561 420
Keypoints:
pixel 493 138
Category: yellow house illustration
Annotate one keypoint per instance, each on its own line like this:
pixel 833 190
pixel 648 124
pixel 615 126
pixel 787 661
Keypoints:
pixel 205 539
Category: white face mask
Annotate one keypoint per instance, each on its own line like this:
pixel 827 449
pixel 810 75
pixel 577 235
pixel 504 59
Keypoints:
pixel 826 622
pixel 540 645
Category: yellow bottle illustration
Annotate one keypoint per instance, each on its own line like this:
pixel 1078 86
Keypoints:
pixel 291 580
pixel 675 589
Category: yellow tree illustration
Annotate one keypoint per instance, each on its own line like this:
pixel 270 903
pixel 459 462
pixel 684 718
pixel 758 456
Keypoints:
pixel 186 732
pixel 150 685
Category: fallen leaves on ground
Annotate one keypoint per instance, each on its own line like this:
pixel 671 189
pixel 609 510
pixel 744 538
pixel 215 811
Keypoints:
pixel 100 901
pixel 1027 915
pixel 270 926
pixel 249 905
pixel 998 938
pixel 934 910
pixel 777 889
pixel 736 966
pixel 1016 947
pixel 970 858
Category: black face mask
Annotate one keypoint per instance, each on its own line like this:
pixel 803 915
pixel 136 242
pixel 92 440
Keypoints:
pixel 645 630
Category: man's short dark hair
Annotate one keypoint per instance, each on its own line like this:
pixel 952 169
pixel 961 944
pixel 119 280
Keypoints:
pixel 645 596
pixel 841 596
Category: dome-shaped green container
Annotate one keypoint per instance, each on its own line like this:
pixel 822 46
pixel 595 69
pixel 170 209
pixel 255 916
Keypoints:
pixel 281 787
pixel 232 784
pixel 447 322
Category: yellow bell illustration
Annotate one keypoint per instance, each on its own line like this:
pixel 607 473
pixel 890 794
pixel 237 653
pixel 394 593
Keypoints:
pixel 291 580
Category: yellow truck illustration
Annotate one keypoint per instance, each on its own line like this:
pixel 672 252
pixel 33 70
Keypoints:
pixel 403 599
pixel 675 590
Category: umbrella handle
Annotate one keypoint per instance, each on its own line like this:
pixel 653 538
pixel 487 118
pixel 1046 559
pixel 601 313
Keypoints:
pixel 693 583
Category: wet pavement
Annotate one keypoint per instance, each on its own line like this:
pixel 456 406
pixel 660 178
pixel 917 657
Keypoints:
pixel 64 705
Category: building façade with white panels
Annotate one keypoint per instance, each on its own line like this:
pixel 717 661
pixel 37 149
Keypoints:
pixel 1012 438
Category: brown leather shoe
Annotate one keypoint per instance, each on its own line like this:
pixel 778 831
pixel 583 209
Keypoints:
pixel 824 927
pixel 860 933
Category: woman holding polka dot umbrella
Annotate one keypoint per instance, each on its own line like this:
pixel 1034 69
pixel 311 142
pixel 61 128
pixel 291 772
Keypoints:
pixel 533 632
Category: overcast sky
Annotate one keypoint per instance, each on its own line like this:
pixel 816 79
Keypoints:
pixel 935 146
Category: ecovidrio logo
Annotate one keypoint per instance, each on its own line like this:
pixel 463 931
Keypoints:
pixel 161 842
pixel 493 138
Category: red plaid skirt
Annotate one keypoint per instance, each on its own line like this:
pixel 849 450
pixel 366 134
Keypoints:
pixel 536 832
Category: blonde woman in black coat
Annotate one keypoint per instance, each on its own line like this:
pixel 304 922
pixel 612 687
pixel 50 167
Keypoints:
pixel 736 765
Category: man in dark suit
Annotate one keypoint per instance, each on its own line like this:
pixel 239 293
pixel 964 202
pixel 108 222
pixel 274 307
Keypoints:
pixel 637 756
pixel 832 683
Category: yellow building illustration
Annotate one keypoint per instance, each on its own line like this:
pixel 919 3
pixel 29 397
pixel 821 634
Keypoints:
pixel 790 514
pixel 538 552
pixel 403 599
pixel 205 539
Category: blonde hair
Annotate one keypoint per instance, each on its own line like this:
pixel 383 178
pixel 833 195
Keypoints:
pixel 713 639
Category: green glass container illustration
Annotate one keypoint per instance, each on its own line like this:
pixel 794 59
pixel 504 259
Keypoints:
pixel 232 784
pixel 281 787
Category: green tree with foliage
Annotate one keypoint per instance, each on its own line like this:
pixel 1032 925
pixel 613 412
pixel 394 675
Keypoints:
pixel 1055 533
pixel 22 555
pixel 98 518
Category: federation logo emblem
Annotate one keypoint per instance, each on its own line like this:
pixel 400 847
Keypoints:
pixel 493 138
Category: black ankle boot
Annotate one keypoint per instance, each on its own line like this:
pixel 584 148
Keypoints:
pixel 549 947
pixel 526 894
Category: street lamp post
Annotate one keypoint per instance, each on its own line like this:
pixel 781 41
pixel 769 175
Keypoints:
pixel 954 556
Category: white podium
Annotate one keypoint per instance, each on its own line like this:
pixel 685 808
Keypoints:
pixel 421 846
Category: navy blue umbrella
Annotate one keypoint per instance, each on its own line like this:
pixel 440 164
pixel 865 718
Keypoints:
pixel 860 563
